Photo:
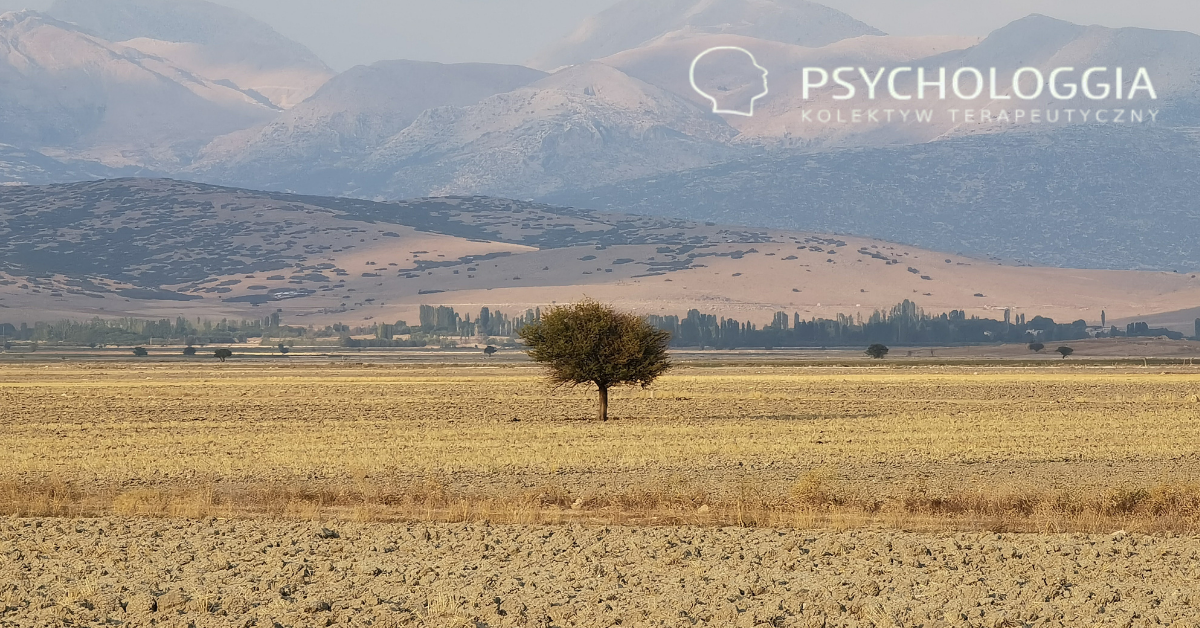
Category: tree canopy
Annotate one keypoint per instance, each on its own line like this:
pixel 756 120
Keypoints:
pixel 878 351
pixel 591 343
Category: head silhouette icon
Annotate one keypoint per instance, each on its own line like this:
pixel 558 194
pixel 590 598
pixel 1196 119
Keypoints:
pixel 743 80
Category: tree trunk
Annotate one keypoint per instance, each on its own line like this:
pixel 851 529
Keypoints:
pixel 603 403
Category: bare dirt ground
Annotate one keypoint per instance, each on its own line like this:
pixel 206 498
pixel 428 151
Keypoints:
pixel 144 572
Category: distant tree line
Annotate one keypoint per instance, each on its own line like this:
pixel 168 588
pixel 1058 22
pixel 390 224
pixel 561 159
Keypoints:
pixel 444 321
pixel 903 324
pixel 1143 330
pixel 439 324
pixel 133 331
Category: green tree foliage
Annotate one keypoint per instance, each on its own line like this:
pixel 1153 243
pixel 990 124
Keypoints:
pixel 1065 351
pixel 1143 330
pixel 222 354
pixel 140 352
pixel 386 331
pixel 903 324
pixel 444 321
pixel 1036 347
pixel 591 343
pixel 133 332
pixel 877 351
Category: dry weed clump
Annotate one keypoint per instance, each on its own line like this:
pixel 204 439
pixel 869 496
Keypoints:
pixel 818 499
pixel 46 499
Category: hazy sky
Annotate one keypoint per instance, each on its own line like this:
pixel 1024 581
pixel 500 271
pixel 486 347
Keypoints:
pixel 350 32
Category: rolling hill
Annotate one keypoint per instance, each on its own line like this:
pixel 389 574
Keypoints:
pixel 163 248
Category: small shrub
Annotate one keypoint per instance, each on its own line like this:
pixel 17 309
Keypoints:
pixel 549 495
pixel 816 488
pixel 1124 501
pixel 430 491
pixel 1169 499
pixel 1067 502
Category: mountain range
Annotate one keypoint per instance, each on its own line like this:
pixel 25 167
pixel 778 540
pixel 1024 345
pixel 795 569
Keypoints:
pixel 608 119
pixel 207 39
pixel 1072 197
pixel 633 24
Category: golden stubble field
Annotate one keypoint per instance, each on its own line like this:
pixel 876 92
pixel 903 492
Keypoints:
pixel 1046 448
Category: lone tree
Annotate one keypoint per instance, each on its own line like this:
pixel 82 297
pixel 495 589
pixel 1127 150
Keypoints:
pixel 877 351
pixel 189 350
pixel 1036 347
pixel 591 343
pixel 489 351
pixel 140 352
pixel 221 354
pixel 1065 351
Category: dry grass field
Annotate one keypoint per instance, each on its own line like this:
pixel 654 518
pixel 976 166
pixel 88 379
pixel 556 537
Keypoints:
pixel 1040 448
